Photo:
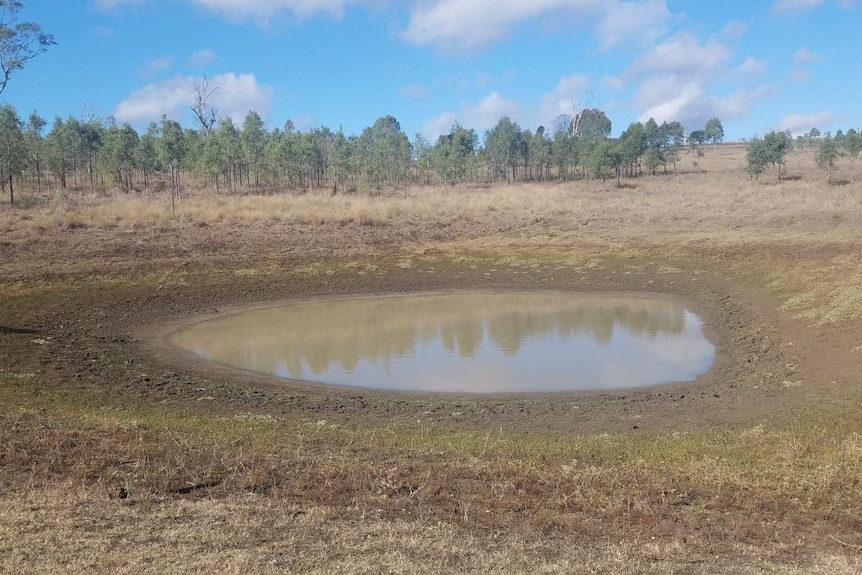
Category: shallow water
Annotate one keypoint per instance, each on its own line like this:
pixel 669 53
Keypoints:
pixel 463 342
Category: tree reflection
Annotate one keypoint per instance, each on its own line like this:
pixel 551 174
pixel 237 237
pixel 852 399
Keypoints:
pixel 299 340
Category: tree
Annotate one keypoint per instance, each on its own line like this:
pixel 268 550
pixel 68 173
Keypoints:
pixel 852 145
pixel 592 124
pixel 386 151
pixel 778 144
pixel 253 138
pixel 20 42
pixel 119 153
pixel 714 133
pixel 503 146
pixel 204 112
pixel 35 143
pixel 827 155
pixel 13 153
pixel 147 152
pixel 455 154
pixel 59 144
pixel 757 158
pixel 173 153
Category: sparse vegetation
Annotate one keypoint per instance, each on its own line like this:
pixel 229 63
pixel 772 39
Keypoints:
pixel 112 453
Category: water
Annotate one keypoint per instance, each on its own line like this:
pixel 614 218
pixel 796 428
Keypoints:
pixel 463 342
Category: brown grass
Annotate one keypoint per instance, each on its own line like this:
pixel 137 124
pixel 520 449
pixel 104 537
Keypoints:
pixel 244 492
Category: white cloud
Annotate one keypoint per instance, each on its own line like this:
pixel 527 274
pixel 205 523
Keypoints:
pixel 734 30
pixel 806 56
pixel 800 76
pixel 236 95
pixel 677 80
pixel 452 24
pixel 645 22
pixel 796 6
pixel 480 116
pixel 568 94
pixel 791 6
pixel 264 10
pixel 681 55
pixel 112 4
pixel 413 92
pixel 201 59
pixel 153 67
pixel 613 83
pixel 752 65
pixel 802 123
pixel 690 102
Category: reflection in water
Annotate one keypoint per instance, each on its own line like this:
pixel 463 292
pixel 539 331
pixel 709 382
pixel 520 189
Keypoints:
pixel 471 342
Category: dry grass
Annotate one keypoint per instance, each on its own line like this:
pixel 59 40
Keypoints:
pixel 85 533
pixel 300 495
pixel 717 194
pixel 313 496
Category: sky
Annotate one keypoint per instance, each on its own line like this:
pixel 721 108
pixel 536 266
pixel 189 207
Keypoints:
pixel 756 65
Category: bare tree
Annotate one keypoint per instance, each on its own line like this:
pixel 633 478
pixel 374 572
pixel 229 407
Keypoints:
pixel 205 113
pixel 579 112
pixel 572 122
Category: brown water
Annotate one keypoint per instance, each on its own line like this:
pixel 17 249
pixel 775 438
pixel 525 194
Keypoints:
pixel 463 342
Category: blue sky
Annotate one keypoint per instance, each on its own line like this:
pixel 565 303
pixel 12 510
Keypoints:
pixel 774 64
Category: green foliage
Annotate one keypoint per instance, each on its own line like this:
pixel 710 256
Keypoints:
pixel 20 42
pixel 504 147
pixel 118 153
pixel 455 155
pixel 827 156
pixel 592 124
pixel 13 153
pixel 385 151
pixel 772 149
pixel 852 145
pixel 757 158
pixel 714 131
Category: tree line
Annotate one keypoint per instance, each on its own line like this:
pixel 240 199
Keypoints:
pixel 90 154
pixel 771 151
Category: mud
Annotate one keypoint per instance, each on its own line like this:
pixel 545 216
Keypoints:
pixel 103 335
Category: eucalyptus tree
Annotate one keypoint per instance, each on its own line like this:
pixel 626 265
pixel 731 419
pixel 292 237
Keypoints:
pixel 385 153
pixel 562 153
pixel 592 124
pixel 172 153
pixel 633 145
pixel 503 145
pixel 455 155
pixel 320 153
pixel 118 153
pixel 827 155
pixel 341 162
pixel 146 153
pixel 35 143
pixel 253 138
pixel 605 159
pixel 852 145
pixel 423 158
pixel 540 150
pixel 778 145
pixel 13 152
pixel 674 140
pixel 696 138
pixel 20 42
pixel 59 151
pixel 653 155
pixel 757 157
pixel 714 133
